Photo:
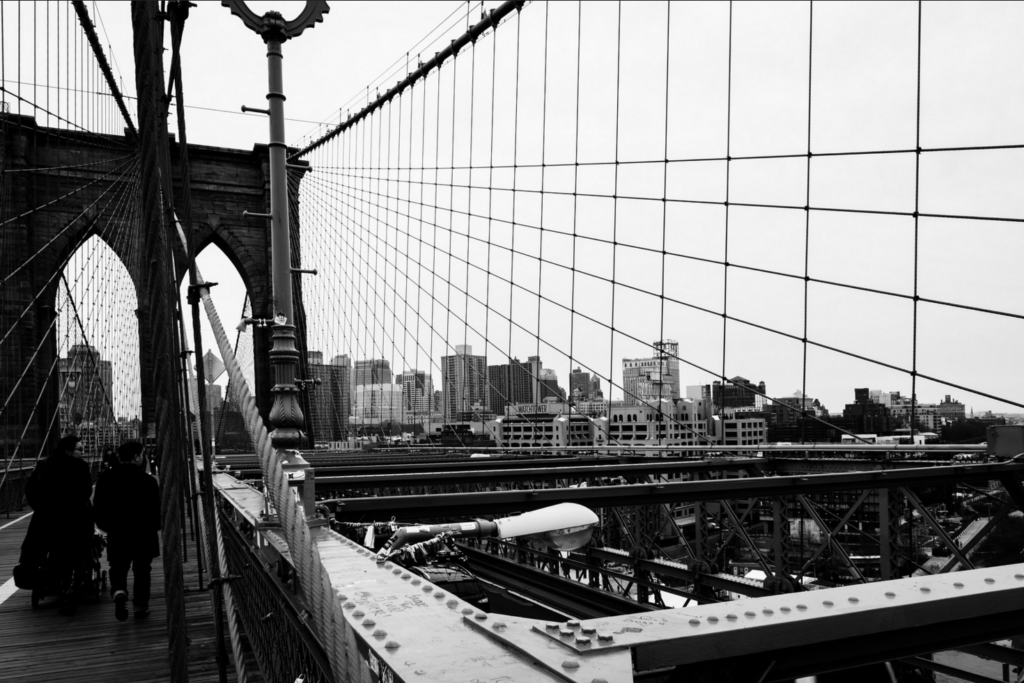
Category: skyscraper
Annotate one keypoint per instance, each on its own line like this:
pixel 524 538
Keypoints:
pixel 549 387
pixel 582 381
pixel 417 394
pixel 330 401
pixel 372 371
pixel 509 384
pixel 86 382
pixel 463 383
pixel 378 403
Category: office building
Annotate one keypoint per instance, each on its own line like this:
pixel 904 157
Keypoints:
pixel 464 387
pixel 330 400
pixel 738 392
pixel 648 380
pixel 417 394
pixel 371 371
pixel 377 403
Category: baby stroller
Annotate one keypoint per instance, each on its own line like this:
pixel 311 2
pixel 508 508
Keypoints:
pixel 85 579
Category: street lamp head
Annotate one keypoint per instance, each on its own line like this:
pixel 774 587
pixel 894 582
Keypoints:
pixel 561 527
pixel 272 26
pixel 565 526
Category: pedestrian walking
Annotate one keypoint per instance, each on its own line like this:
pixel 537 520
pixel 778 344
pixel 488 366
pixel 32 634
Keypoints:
pixel 127 505
pixel 59 535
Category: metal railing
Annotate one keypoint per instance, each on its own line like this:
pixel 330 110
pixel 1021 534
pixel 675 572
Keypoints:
pixel 271 612
pixel 12 489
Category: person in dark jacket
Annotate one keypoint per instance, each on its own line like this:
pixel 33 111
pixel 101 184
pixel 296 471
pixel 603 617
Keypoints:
pixel 127 505
pixel 61 530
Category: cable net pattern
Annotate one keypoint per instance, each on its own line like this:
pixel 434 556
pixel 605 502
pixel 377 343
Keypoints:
pixel 727 190
pixel 70 263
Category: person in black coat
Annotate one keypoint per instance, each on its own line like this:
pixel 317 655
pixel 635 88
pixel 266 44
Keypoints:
pixel 127 503
pixel 61 530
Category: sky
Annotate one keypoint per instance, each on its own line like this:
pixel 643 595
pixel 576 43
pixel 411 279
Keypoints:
pixel 654 83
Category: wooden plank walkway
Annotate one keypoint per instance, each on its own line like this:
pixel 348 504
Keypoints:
pixel 92 646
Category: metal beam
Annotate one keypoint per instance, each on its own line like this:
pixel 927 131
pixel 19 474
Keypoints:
pixel 959 674
pixel 978 538
pixel 740 530
pixel 482 475
pixel 830 540
pixel 812 632
pixel 677 570
pixel 937 528
pixel 564 595
pixel 495 502
pixel 996 653
pixel 835 530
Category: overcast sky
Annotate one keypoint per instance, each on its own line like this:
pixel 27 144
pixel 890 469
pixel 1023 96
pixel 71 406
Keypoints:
pixel 863 97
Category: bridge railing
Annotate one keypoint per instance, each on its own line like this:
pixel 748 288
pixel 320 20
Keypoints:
pixel 272 613
pixel 12 489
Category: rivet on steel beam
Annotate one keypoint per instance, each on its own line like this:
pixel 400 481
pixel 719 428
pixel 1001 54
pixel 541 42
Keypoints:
pixel 1019 577
pixel 827 603
pixel 498 625
pixel 369 623
pixel 467 610
pixel 388 565
pixel 391 645
pixel 439 595
pixel 570 664
pixel 693 622
pixel 573 623
pixel 551 626
pixel 349 605
pixel 749 614
pixel 712 619
pixel 785 609
pixel 926 589
pixel 958 585
pixel 428 589
pixel 989 580
pixel 801 607
pixel 582 640
pixel 342 597
pixel 565 632
pixel 396 571
pixel 452 604
pixel 606 637
pixel 853 600
pixel 890 594
pixel 767 612
pixel 416 582
pixel 380 633
pixel 730 617
pixel 599 680
pixel 406 576
pixel 589 630
pixel 481 616
pixel 358 614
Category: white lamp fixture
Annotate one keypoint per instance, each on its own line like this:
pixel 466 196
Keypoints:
pixel 562 527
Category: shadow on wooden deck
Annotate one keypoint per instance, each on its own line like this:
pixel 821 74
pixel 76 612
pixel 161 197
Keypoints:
pixel 41 645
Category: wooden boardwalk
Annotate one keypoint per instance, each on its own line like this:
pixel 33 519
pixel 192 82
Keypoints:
pixel 92 646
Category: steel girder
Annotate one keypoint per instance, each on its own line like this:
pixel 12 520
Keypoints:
pixel 496 502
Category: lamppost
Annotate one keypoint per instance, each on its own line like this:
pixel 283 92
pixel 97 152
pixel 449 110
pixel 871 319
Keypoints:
pixel 286 417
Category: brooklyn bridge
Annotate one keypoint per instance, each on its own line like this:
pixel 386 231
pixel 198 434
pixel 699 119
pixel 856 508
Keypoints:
pixel 648 341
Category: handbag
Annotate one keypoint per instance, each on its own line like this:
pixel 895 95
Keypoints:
pixel 27 576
